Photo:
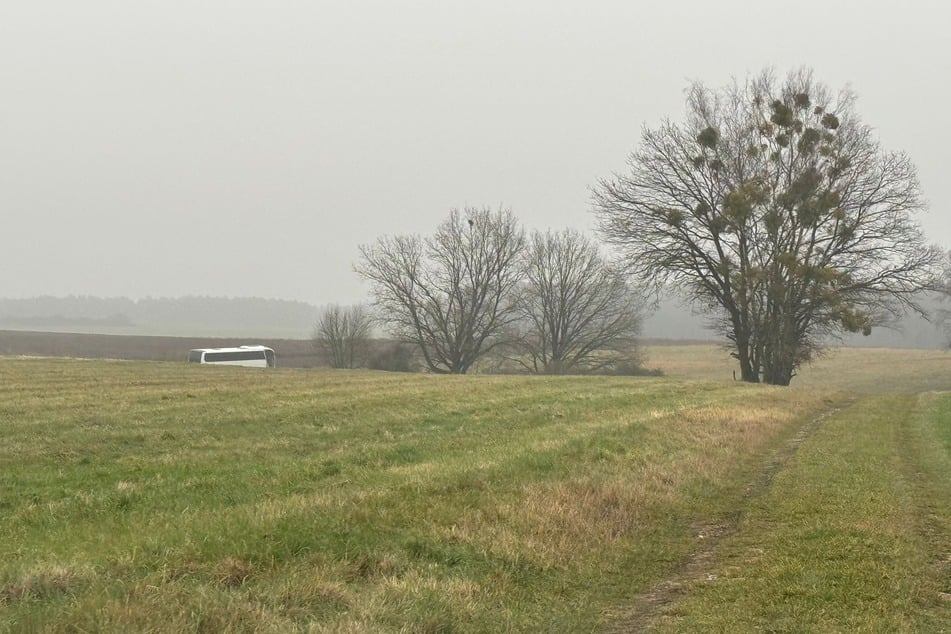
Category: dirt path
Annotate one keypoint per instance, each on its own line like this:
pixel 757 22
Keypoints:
pixel 648 606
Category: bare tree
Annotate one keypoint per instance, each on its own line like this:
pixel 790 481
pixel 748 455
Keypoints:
pixel 578 312
pixel 343 334
pixel 774 208
pixel 449 293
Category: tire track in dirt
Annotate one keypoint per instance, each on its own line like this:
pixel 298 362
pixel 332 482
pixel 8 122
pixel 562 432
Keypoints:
pixel 647 606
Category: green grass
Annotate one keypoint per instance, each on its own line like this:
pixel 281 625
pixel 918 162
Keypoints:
pixel 167 497
pixel 854 536
pixel 141 495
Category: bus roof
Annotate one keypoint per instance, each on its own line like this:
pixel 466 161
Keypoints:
pixel 234 349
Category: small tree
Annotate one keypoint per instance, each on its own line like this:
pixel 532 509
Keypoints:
pixel 343 334
pixel 774 209
pixel 578 312
pixel 450 293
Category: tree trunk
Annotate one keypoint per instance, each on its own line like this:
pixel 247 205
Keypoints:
pixel 748 371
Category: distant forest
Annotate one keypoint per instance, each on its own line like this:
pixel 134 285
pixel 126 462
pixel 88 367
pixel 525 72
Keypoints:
pixel 252 316
pixel 278 318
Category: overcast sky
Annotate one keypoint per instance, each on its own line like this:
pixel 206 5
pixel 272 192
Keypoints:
pixel 238 148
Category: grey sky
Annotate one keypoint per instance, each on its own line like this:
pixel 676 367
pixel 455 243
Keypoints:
pixel 142 141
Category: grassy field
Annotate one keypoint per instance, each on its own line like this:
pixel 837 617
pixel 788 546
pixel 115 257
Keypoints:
pixel 854 536
pixel 147 496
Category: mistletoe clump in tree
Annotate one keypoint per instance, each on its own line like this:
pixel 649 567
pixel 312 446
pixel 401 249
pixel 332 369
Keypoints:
pixel 774 209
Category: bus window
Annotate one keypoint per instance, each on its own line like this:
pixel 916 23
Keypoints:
pixel 251 356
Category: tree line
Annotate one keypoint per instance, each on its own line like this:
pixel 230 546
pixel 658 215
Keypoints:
pixel 170 313
pixel 549 302
pixel 772 208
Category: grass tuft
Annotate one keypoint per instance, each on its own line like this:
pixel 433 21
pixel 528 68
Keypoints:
pixel 43 584
pixel 233 572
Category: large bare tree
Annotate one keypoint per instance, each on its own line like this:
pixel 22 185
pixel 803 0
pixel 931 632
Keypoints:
pixel 343 334
pixel 449 293
pixel 775 208
pixel 578 313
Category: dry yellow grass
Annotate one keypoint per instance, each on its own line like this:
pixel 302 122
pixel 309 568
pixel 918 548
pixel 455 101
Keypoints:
pixel 858 369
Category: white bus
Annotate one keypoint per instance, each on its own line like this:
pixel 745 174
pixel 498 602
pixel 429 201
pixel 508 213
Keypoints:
pixel 250 356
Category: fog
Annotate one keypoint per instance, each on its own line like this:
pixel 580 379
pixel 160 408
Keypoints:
pixel 163 148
